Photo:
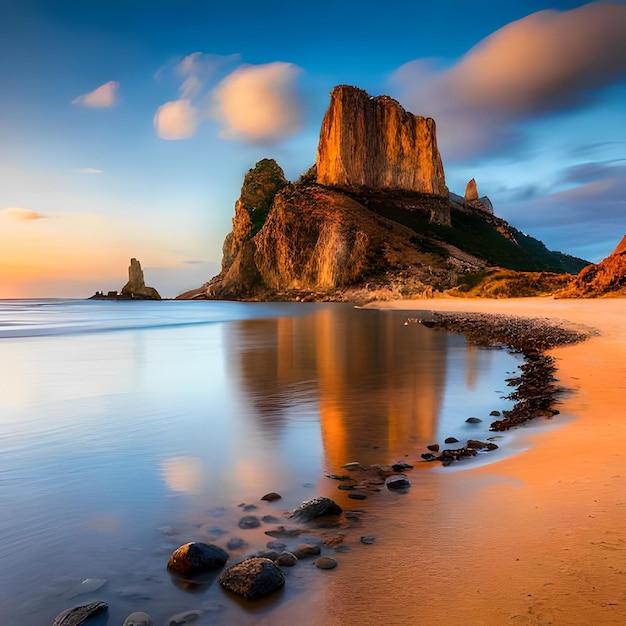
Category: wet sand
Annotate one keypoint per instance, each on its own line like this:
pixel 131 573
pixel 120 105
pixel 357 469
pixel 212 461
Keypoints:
pixel 537 538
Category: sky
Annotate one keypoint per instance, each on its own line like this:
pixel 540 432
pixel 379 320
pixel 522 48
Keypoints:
pixel 126 127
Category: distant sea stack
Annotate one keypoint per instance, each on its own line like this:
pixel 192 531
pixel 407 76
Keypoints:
pixel 373 143
pixel 134 289
pixel 607 278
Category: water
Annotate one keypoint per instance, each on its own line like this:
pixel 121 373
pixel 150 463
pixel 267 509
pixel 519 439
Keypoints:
pixel 130 428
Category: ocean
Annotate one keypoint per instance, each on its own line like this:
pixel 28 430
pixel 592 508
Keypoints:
pixel 130 428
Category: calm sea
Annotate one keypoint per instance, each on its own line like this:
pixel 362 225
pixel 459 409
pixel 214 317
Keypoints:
pixel 130 428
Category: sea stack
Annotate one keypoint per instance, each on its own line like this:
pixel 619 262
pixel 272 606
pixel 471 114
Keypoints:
pixel 136 287
pixel 373 143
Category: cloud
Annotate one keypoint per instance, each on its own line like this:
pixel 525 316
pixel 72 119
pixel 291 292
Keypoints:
pixel 253 103
pixel 22 215
pixel 586 220
pixel 259 103
pixel 89 170
pixel 589 172
pixel 176 120
pixel 544 62
pixel 103 97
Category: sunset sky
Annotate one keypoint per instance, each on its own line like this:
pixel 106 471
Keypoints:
pixel 126 126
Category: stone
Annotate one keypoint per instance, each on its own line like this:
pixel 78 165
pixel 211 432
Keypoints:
pixel 196 558
pixel 451 440
pixel 331 542
pixel 397 482
pixel 473 420
pixel 374 143
pixel 272 555
pixel 305 550
pixel 434 447
pixel 368 539
pixel 286 559
pixel 495 414
pixel 325 562
pixel 78 614
pixel 270 519
pixel 253 578
pixel 471 191
pixel 136 287
pixel 138 618
pixel 481 445
pixel 89 585
pixel 429 456
pixel 317 507
pixel 401 466
pixel 182 619
pixel 249 521
pixel 357 495
pixel 275 545
pixel 235 543
pixel 271 497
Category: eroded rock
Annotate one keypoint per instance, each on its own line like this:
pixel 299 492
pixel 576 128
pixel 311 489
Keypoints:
pixel 253 578
pixel 196 558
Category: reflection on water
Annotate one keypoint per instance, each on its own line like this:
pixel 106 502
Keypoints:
pixel 111 435
pixel 376 384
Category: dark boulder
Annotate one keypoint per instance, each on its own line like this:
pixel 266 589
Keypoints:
pixel 317 507
pixel 253 578
pixel 196 558
pixel 78 614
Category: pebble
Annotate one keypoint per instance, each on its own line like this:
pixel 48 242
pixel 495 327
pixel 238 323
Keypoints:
pixel 249 521
pixel 271 496
pixel 270 519
pixel 286 559
pixel 451 440
pixel 305 550
pixel 234 543
pixel 473 420
pixel 78 614
pixel 138 618
pixel 368 539
pixel 187 617
pixel 275 545
pixel 357 495
pixel 325 562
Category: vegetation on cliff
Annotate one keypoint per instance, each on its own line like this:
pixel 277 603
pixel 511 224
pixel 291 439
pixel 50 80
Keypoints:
pixel 373 219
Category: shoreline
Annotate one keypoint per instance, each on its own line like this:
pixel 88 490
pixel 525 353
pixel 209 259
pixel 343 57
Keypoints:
pixel 550 530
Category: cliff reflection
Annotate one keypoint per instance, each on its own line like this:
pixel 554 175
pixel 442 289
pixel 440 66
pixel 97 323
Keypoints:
pixel 377 384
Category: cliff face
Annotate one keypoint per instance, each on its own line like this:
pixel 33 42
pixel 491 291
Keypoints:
pixel 604 279
pixel 317 240
pixel 374 143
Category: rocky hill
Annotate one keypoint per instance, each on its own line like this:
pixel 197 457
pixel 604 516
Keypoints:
pixel 607 278
pixel 372 219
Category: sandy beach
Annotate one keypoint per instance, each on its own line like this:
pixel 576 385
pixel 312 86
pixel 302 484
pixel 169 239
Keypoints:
pixel 537 538
pixel 550 538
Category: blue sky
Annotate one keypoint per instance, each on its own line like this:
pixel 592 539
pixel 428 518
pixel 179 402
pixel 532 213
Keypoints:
pixel 127 127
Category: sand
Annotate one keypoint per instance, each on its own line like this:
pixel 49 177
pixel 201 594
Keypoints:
pixel 551 538
pixel 536 538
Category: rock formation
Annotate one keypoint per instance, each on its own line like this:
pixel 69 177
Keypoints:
pixel 372 219
pixel 374 143
pixel 136 287
pixel 607 278
pixel 471 198
pixel 471 191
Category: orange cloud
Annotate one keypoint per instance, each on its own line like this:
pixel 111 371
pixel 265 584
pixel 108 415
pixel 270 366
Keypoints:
pixel 259 103
pixel 175 120
pixel 18 213
pixel 103 97
pixel 544 62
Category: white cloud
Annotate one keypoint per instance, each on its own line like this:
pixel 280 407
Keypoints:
pixel 89 170
pixel 175 120
pixel 17 213
pixel 259 103
pixel 103 97
pixel 544 62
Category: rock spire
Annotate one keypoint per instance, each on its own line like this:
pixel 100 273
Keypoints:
pixel 373 143
pixel 136 287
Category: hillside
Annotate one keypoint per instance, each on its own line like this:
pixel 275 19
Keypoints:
pixel 372 219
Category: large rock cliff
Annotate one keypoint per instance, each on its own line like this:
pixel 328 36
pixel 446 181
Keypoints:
pixel 372 219
pixel 607 278
pixel 374 143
